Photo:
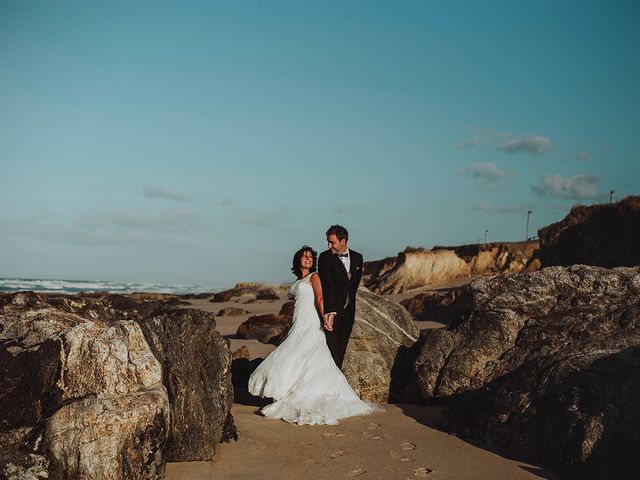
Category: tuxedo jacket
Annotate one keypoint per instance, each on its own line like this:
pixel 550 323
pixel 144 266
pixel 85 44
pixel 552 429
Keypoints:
pixel 336 284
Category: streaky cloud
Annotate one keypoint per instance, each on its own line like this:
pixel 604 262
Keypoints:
pixel 576 187
pixel 534 144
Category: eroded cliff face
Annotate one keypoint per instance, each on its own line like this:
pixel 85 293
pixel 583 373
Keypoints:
pixel 545 364
pixel 603 235
pixel 418 267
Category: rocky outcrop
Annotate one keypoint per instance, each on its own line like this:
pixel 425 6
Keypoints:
pixel 603 235
pixel 250 291
pixel 546 365
pixel 78 398
pixel 111 368
pixel 267 328
pixel 379 357
pixel 196 364
pixel 441 306
pixel 417 267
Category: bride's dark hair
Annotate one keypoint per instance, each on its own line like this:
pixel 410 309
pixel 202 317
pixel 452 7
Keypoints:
pixel 296 269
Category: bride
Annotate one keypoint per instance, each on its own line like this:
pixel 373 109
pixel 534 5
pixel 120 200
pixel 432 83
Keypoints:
pixel 300 375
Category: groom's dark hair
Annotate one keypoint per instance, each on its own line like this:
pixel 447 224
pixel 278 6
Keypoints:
pixel 297 269
pixel 339 231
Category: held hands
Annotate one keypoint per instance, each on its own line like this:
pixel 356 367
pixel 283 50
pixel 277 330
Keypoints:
pixel 328 321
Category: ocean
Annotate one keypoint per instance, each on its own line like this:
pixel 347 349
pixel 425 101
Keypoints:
pixel 9 285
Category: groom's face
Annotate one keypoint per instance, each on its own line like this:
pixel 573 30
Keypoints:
pixel 336 246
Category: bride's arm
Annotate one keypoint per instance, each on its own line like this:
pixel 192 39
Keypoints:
pixel 316 284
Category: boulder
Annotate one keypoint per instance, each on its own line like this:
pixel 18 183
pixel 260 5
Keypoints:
pixel 231 312
pixel 79 398
pixel 242 352
pixel 287 309
pixel 267 294
pixel 196 364
pixel 379 357
pixel 546 365
pixel 70 358
pixel 437 305
pixel 245 291
pixel 603 235
pixel 267 328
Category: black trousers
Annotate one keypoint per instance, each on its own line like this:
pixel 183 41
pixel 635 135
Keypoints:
pixel 338 340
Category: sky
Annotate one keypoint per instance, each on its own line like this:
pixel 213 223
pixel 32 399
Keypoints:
pixel 205 142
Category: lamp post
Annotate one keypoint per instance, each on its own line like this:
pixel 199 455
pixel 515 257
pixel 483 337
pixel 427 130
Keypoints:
pixel 611 192
pixel 526 232
pixel 485 236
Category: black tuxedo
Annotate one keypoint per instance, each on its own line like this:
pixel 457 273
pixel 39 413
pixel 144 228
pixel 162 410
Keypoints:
pixel 339 293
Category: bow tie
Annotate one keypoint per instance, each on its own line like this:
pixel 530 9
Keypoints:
pixel 343 255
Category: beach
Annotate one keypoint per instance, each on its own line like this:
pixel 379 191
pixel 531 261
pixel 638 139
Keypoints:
pixel 402 443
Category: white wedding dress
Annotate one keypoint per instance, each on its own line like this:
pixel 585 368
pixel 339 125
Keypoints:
pixel 301 376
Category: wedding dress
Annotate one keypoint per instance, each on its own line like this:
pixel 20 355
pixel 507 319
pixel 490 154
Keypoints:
pixel 301 376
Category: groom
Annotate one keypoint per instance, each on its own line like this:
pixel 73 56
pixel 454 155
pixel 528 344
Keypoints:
pixel 340 270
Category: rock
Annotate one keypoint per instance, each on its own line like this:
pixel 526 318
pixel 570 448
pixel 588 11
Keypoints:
pixel 68 381
pixel 250 290
pixel 604 235
pixel 196 364
pixel 547 365
pixel 437 306
pixel 76 368
pixel 232 312
pixel 417 267
pixel 242 352
pixel 287 309
pixel 267 328
pixel 379 358
pixel 267 294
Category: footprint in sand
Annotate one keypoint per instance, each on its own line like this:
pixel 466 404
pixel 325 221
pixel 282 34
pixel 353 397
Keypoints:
pixel 396 456
pixel 373 426
pixel 356 473
pixel 333 434
pixel 422 472
pixel 371 435
pixel 339 453
pixel 408 446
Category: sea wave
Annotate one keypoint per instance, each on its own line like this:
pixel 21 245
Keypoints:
pixel 10 285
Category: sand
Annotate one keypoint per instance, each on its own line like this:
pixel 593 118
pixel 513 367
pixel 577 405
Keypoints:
pixel 400 443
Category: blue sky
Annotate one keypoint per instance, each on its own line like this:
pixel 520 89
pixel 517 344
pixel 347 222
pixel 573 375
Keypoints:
pixel 204 142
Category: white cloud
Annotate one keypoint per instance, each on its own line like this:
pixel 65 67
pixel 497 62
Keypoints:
pixel 577 187
pixel 488 173
pixel 534 144
pixel 155 191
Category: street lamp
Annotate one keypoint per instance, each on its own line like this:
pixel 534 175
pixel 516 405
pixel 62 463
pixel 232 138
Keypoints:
pixel 485 236
pixel 526 232
pixel 611 192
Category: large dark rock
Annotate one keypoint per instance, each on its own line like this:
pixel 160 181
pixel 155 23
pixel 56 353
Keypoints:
pixel 79 398
pixel 441 306
pixel 74 369
pixel 603 235
pixel 267 328
pixel 546 365
pixel 196 364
